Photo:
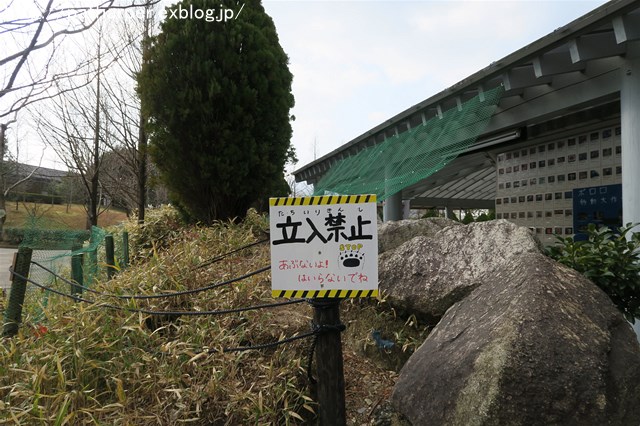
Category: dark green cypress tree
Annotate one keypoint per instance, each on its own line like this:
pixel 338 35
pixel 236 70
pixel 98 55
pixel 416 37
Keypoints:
pixel 217 96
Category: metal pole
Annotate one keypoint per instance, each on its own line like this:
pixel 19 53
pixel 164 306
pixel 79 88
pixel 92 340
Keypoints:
pixel 393 207
pixel 13 314
pixel 330 371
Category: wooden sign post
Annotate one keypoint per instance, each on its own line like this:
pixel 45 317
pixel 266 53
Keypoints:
pixel 325 248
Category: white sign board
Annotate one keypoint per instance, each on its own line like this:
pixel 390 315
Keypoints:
pixel 324 246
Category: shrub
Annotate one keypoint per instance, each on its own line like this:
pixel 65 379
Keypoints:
pixel 609 260
pixel 161 225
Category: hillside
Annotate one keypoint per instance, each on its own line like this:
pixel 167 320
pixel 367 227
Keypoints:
pixel 84 363
pixel 73 216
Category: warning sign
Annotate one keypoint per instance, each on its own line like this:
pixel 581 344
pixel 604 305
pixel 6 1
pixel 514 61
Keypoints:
pixel 324 246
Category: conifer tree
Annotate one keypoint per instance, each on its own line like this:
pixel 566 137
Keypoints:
pixel 216 89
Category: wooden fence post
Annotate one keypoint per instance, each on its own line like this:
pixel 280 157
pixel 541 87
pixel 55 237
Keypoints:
pixel 13 314
pixel 125 249
pixel 77 274
pixel 110 257
pixel 330 371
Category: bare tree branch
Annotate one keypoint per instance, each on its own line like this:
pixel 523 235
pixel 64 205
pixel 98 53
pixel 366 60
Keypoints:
pixel 39 85
pixel 25 53
pixel 24 179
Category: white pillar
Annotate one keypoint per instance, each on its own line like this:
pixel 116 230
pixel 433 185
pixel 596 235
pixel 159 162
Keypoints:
pixel 630 123
pixel 448 212
pixel 392 207
pixel 406 212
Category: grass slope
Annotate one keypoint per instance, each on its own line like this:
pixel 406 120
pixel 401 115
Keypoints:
pixel 72 217
pixel 93 365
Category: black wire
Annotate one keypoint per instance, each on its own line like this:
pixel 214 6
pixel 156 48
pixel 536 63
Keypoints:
pixel 222 256
pixel 312 351
pixel 162 295
pixel 63 279
pixel 316 331
pixel 266 345
pixel 149 312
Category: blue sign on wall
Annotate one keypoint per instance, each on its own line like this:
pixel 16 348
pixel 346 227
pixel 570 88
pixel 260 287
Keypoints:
pixel 601 205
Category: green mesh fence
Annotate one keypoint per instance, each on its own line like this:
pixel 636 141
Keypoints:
pixel 409 157
pixel 54 249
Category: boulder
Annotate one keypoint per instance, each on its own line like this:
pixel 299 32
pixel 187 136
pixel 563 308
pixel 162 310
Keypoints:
pixel 427 275
pixel 534 343
pixel 393 233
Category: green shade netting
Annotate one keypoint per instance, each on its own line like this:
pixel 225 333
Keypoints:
pixel 415 154
pixel 53 246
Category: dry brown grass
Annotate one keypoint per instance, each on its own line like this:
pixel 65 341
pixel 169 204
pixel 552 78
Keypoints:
pixel 73 216
pixel 95 365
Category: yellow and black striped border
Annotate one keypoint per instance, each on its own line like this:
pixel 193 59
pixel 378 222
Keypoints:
pixel 303 294
pixel 322 200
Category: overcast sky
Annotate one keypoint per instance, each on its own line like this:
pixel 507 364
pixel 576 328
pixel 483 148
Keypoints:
pixel 358 63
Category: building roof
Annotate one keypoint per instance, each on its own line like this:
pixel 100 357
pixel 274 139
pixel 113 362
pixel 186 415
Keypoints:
pixel 44 173
pixel 573 69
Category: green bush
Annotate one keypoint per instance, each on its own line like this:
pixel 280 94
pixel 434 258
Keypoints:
pixel 44 238
pixel 160 226
pixel 609 260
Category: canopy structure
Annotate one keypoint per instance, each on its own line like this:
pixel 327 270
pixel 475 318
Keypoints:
pixel 582 77
pixel 403 159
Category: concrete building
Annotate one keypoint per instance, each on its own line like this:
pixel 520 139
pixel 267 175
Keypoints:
pixel 561 149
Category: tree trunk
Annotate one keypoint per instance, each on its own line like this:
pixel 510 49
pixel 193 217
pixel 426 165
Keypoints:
pixel 142 169
pixel 3 210
pixel 142 134
pixel 92 219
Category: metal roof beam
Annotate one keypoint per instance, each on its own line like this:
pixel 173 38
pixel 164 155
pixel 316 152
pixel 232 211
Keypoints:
pixel 555 63
pixel 626 28
pixel 423 202
pixel 459 103
pixel 521 78
pixel 466 184
pixel 456 180
pixel 599 82
pixel 595 46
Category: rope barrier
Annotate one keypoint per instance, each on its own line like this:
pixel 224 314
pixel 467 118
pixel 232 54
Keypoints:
pixel 157 296
pixel 317 330
pixel 312 350
pixel 150 312
pixel 222 256
pixel 266 345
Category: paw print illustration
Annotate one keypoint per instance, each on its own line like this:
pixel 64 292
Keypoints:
pixel 350 255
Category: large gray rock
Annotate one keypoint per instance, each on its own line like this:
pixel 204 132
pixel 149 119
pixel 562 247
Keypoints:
pixel 393 233
pixel 534 343
pixel 427 275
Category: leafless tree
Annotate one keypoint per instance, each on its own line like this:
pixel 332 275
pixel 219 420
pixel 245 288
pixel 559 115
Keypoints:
pixel 33 34
pixel 28 73
pixel 127 178
pixel 8 167
pixel 73 125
